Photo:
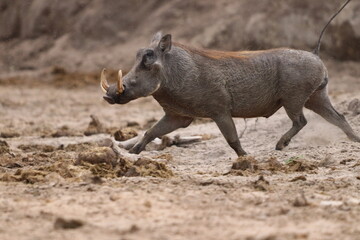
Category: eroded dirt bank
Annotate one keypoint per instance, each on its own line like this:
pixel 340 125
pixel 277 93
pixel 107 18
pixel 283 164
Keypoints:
pixel 91 34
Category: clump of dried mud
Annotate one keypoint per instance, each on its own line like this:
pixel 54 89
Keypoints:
pixel 147 167
pixel 61 223
pixel 45 173
pixel 261 184
pixel 36 147
pixel 64 131
pixel 7 133
pixel 248 165
pixel 78 147
pixel 300 165
pixel 98 155
pixel 76 162
pixel 4 147
pixel 95 126
pixel 125 134
pixel 143 167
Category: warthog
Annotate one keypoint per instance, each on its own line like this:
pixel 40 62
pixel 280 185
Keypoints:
pixel 189 82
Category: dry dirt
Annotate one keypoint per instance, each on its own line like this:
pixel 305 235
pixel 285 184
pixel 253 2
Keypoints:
pixel 57 183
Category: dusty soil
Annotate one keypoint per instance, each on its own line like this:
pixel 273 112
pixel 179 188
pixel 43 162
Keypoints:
pixel 58 183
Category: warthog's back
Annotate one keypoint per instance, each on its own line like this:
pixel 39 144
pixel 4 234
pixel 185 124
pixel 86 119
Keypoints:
pixel 247 83
pixel 261 81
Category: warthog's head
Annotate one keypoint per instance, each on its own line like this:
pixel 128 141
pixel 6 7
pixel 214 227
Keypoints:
pixel 145 76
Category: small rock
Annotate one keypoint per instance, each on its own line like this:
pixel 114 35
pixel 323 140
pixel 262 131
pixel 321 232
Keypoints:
pixel 134 228
pixel 345 161
pixel 64 131
pixel 114 197
pixel 147 204
pixel 96 180
pixel 95 126
pixel 9 134
pixel 132 124
pixel 165 142
pixel 298 178
pixel 261 184
pixel 61 223
pixel 56 70
pixel 244 163
pixel 125 134
pixel 206 182
pixel 354 106
pixel 13 165
pixel 300 201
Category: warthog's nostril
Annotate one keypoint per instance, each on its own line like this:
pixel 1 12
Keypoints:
pixel 109 99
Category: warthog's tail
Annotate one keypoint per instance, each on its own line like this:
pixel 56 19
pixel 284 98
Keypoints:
pixel 317 49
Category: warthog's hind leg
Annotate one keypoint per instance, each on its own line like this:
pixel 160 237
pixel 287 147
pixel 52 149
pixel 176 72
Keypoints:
pixel 295 113
pixel 320 103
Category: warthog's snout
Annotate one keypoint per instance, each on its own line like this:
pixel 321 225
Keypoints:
pixel 105 86
pixel 109 99
pixel 112 92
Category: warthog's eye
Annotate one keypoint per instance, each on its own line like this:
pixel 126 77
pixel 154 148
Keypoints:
pixel 149 57
pixel 150 53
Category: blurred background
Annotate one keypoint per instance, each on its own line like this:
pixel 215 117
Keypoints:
pixel 86 35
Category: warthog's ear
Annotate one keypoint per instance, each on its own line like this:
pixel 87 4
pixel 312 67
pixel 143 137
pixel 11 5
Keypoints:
pixel 165 43
pixel 156 38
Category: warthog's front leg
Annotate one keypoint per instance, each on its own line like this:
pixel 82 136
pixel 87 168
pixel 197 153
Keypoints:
pixel 228 129
pixel 164 126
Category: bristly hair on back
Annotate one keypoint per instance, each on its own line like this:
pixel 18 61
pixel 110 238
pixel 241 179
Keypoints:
pixel 215 54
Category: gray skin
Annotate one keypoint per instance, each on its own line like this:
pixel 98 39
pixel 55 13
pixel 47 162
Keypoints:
pixel 191 83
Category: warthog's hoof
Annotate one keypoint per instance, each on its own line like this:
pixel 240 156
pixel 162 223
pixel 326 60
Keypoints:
pixel 242 153
pixel 136 149
pixel 279 148
pixel 282 144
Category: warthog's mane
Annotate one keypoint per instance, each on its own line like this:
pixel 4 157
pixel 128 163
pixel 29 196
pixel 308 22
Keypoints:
pixel 216 54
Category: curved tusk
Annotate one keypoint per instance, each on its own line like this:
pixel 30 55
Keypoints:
pixel 103 83
pixel 120 87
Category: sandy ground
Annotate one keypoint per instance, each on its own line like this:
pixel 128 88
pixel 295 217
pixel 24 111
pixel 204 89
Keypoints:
pixel 311 190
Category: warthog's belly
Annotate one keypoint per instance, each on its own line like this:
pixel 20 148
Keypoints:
pixel 256 110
